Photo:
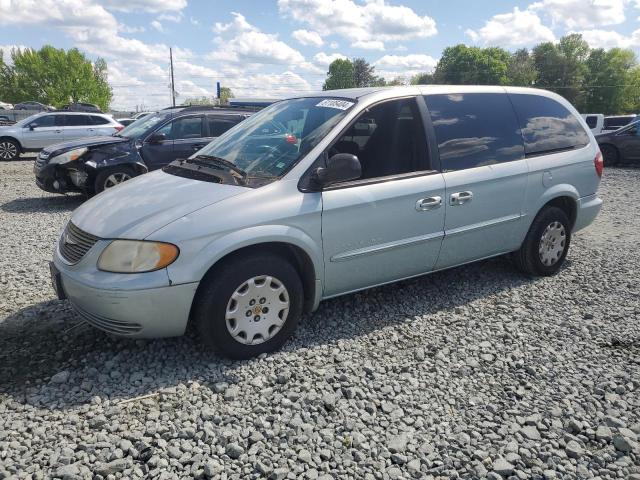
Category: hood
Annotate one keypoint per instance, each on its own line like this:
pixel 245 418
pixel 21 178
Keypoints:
pixel 85 142
pixel 139 207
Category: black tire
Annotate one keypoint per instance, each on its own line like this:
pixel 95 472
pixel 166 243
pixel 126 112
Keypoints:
pixel 215 294
pixel 529 258
pixel 9 149
pixel 610 155
pixel 103 177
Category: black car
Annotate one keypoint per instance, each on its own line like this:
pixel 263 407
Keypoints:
pixel 81 107
pixel 35 106
pixel 622 145
pixel 91 165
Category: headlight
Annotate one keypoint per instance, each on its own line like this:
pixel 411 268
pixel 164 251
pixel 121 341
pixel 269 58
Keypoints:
pixel 70 156
pixel 133 256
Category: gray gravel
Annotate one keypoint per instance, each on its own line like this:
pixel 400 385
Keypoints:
pixel 477 372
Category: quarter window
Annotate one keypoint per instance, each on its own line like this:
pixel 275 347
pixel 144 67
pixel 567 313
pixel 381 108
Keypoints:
pixel 475 129
pixel 96 120
pixel 547 126
pixel 388 139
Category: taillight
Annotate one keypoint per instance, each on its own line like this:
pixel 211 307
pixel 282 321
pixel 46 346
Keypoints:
pixel 599 164
pixel 119 127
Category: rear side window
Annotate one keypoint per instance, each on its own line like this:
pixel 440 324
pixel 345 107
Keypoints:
pixel 547 126
pixel 617 122
pixel 219 125
pixel 592 121
pixel 77 120
pixel 475 129
pixel 96 120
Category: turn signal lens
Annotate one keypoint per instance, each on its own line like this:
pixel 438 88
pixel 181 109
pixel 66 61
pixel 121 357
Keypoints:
pixel 599 164
pixel 133 256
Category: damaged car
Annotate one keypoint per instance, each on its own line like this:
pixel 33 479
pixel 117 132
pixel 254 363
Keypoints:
pixel 92 165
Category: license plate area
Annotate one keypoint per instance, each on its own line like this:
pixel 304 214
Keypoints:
pixel 56 281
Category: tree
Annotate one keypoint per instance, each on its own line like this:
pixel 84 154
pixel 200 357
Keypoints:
pixel 562 67
pixel 422 79
pixel 522 70
pixel 608 73
pixel 56 77
pixel 363 73
pixel 225 95
pixel 463 65
pixel 340 75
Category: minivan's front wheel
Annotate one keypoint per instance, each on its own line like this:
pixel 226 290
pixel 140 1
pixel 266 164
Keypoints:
pixel 249 305
pixel 546 245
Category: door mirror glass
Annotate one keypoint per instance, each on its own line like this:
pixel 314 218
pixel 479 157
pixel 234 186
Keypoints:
pixel 342 167
pixel 157 138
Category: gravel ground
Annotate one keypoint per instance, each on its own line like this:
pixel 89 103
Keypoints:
pixel 477 372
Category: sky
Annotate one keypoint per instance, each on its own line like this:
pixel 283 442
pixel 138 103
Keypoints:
pixel 274 48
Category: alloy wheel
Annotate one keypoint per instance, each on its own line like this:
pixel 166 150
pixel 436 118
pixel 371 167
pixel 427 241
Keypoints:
pixel 116 179
pixel 8 150
pixel 257 310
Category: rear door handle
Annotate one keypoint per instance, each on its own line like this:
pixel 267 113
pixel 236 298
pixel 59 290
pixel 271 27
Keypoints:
pixel 460 198
pixel 429 203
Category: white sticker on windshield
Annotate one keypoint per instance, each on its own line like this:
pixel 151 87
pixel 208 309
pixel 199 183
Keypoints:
pixel 332 103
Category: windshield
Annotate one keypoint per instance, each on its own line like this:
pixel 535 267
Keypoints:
pixel 270 142
pixel 142 125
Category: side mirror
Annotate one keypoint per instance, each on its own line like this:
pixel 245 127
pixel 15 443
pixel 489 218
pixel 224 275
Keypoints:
pixel 342 167
pixel 157 138
pixel 33 126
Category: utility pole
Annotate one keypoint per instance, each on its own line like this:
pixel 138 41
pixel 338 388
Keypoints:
pixel 173 86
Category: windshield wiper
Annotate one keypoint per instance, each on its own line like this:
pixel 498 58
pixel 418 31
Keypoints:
pixel 222 162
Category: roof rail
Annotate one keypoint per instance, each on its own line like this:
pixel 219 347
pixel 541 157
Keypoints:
pixel 188 108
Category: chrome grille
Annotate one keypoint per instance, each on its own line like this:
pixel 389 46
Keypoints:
pixel 75 243
pixel 109 325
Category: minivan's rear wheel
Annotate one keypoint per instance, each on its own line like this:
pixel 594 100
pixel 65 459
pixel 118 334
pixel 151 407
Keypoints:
pixel 546 245
pixel 111 177
pixel 610 155
pixel 249 305
pixel 9 149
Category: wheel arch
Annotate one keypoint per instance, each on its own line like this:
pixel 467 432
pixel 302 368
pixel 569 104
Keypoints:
pixel 13 139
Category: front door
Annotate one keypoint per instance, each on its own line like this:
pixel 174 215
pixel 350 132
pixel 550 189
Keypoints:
pixel 43 131
pixel 388 224
pixel 182 138
pixel 482 160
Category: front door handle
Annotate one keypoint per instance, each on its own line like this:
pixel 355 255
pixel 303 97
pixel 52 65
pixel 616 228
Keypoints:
pixel 429 203
pixel 460 198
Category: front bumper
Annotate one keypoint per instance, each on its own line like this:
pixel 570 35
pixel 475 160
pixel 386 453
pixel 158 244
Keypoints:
pixel 52 178
pixel 588 209
pixel 141 305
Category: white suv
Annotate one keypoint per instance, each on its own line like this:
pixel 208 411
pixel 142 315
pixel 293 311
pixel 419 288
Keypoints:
pixel 43 129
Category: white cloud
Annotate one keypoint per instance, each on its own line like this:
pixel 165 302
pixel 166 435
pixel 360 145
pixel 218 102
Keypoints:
pixel 334 45
pixel 369 45
pixel 157 25
pixel 66 14
pixel 308 37
pixel 373 21
pixel 248 46
pixel 609 39
pixel 394 66
pixel 171 17
pixel 582 13
pixel 149 6
pixel 323 60
pixel 514 29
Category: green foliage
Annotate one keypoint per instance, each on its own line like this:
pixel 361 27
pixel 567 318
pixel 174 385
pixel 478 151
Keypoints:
pixel 522 70
pixel 54 77
pixel 463 65
pixel 341 74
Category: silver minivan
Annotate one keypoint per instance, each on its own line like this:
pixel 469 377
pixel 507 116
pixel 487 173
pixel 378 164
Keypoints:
pixel 326 194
